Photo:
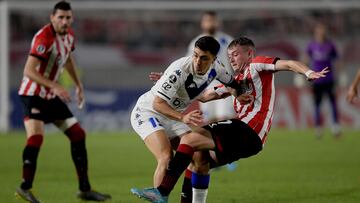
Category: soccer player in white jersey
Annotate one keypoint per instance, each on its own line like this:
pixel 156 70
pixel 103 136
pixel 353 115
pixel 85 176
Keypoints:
pixel 236 138
pixel 222 108
pixel 158 114
pixel 44 99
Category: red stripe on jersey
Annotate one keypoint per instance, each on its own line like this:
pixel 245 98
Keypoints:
pixel 264 59
pixel 28 85
pixel 41 72
pixel 257 122
pixel 55 67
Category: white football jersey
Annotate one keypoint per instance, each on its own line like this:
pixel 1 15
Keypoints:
pixel 179 85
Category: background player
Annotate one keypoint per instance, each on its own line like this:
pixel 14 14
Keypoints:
pixel 322 52
pixel 236 138
pixel 218 109
pixel 44 100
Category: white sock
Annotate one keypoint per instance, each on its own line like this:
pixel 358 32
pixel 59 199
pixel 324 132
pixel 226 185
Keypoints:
pixel 199 195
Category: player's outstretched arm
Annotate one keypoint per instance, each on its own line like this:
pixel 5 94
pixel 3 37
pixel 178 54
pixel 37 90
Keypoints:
pixel 352 92
pixel 31 72
pixel 210 95
pixel 298 67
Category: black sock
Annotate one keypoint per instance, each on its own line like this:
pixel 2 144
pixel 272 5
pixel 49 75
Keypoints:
pixel 186 192
pixel 176 166
pixel 30 155
pixel 79 156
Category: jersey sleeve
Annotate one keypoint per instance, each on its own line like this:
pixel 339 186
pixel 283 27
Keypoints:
pixel 220 89
pixel 223 75
pixel 41 46
pixel 264 63
pixel 169 83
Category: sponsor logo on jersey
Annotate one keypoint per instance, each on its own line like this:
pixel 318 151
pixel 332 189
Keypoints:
pixel 172 79
pixel 40 49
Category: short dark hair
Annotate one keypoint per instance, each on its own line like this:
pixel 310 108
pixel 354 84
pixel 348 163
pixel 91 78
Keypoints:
pixel 62 5
pixel 209 13
pixel 208 43
pixel 242 41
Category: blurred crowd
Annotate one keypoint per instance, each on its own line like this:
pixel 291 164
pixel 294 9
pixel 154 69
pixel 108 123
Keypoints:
pixel 171 31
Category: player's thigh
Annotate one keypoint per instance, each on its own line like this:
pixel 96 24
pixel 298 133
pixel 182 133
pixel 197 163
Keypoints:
pixel 159 144
pixel 200 139
pixel 34 127
pixel 145 122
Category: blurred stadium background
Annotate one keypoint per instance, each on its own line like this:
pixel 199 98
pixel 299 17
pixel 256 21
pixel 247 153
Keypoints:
pixel 120 42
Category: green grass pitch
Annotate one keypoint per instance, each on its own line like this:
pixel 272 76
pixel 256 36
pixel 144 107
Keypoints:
pixel 293 167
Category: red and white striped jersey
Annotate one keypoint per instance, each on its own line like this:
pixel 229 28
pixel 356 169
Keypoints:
pixel 258 81
pixel 53 50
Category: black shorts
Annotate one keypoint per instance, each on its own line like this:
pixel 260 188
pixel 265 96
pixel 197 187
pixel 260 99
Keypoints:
pixel 48 111
pixel 234 140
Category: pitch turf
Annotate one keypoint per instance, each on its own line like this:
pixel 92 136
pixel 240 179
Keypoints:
pixel 293 167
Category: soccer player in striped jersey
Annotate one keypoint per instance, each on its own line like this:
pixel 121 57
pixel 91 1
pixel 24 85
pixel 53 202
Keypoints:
pixel 44 101
pixel 241 137
pixel 158 114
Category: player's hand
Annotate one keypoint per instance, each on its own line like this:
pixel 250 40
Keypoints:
pixel 155 76
pixel 351 94
pixel 61 92
pixel 193 118
pixel 245 99
pixel 80 97
pixel 317 75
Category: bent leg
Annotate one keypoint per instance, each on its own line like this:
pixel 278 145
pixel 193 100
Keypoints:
pixel 159 145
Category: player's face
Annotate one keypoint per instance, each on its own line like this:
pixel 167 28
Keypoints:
pixel 320 32
pixel 209 24
pixel 239 57
pixel 202 61
pixel 61 21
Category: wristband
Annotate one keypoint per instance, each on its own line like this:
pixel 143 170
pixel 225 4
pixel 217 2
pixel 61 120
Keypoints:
pixel 307 73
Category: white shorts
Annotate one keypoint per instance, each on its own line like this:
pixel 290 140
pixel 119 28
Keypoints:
pixel 218 109
pixel 146 122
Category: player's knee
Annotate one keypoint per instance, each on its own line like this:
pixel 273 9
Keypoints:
pixel 75 133
pixel 164 157
pixel 35 140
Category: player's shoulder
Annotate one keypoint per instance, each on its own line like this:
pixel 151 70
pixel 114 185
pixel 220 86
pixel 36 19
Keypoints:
pixel 46 32
pixel 264 59
pixel 182 63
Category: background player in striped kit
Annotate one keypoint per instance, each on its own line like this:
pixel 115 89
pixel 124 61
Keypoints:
pixel 236 138
pixel 44 100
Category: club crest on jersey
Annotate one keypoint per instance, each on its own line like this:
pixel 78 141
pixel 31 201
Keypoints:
pixel 246 86
pixel 40 49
